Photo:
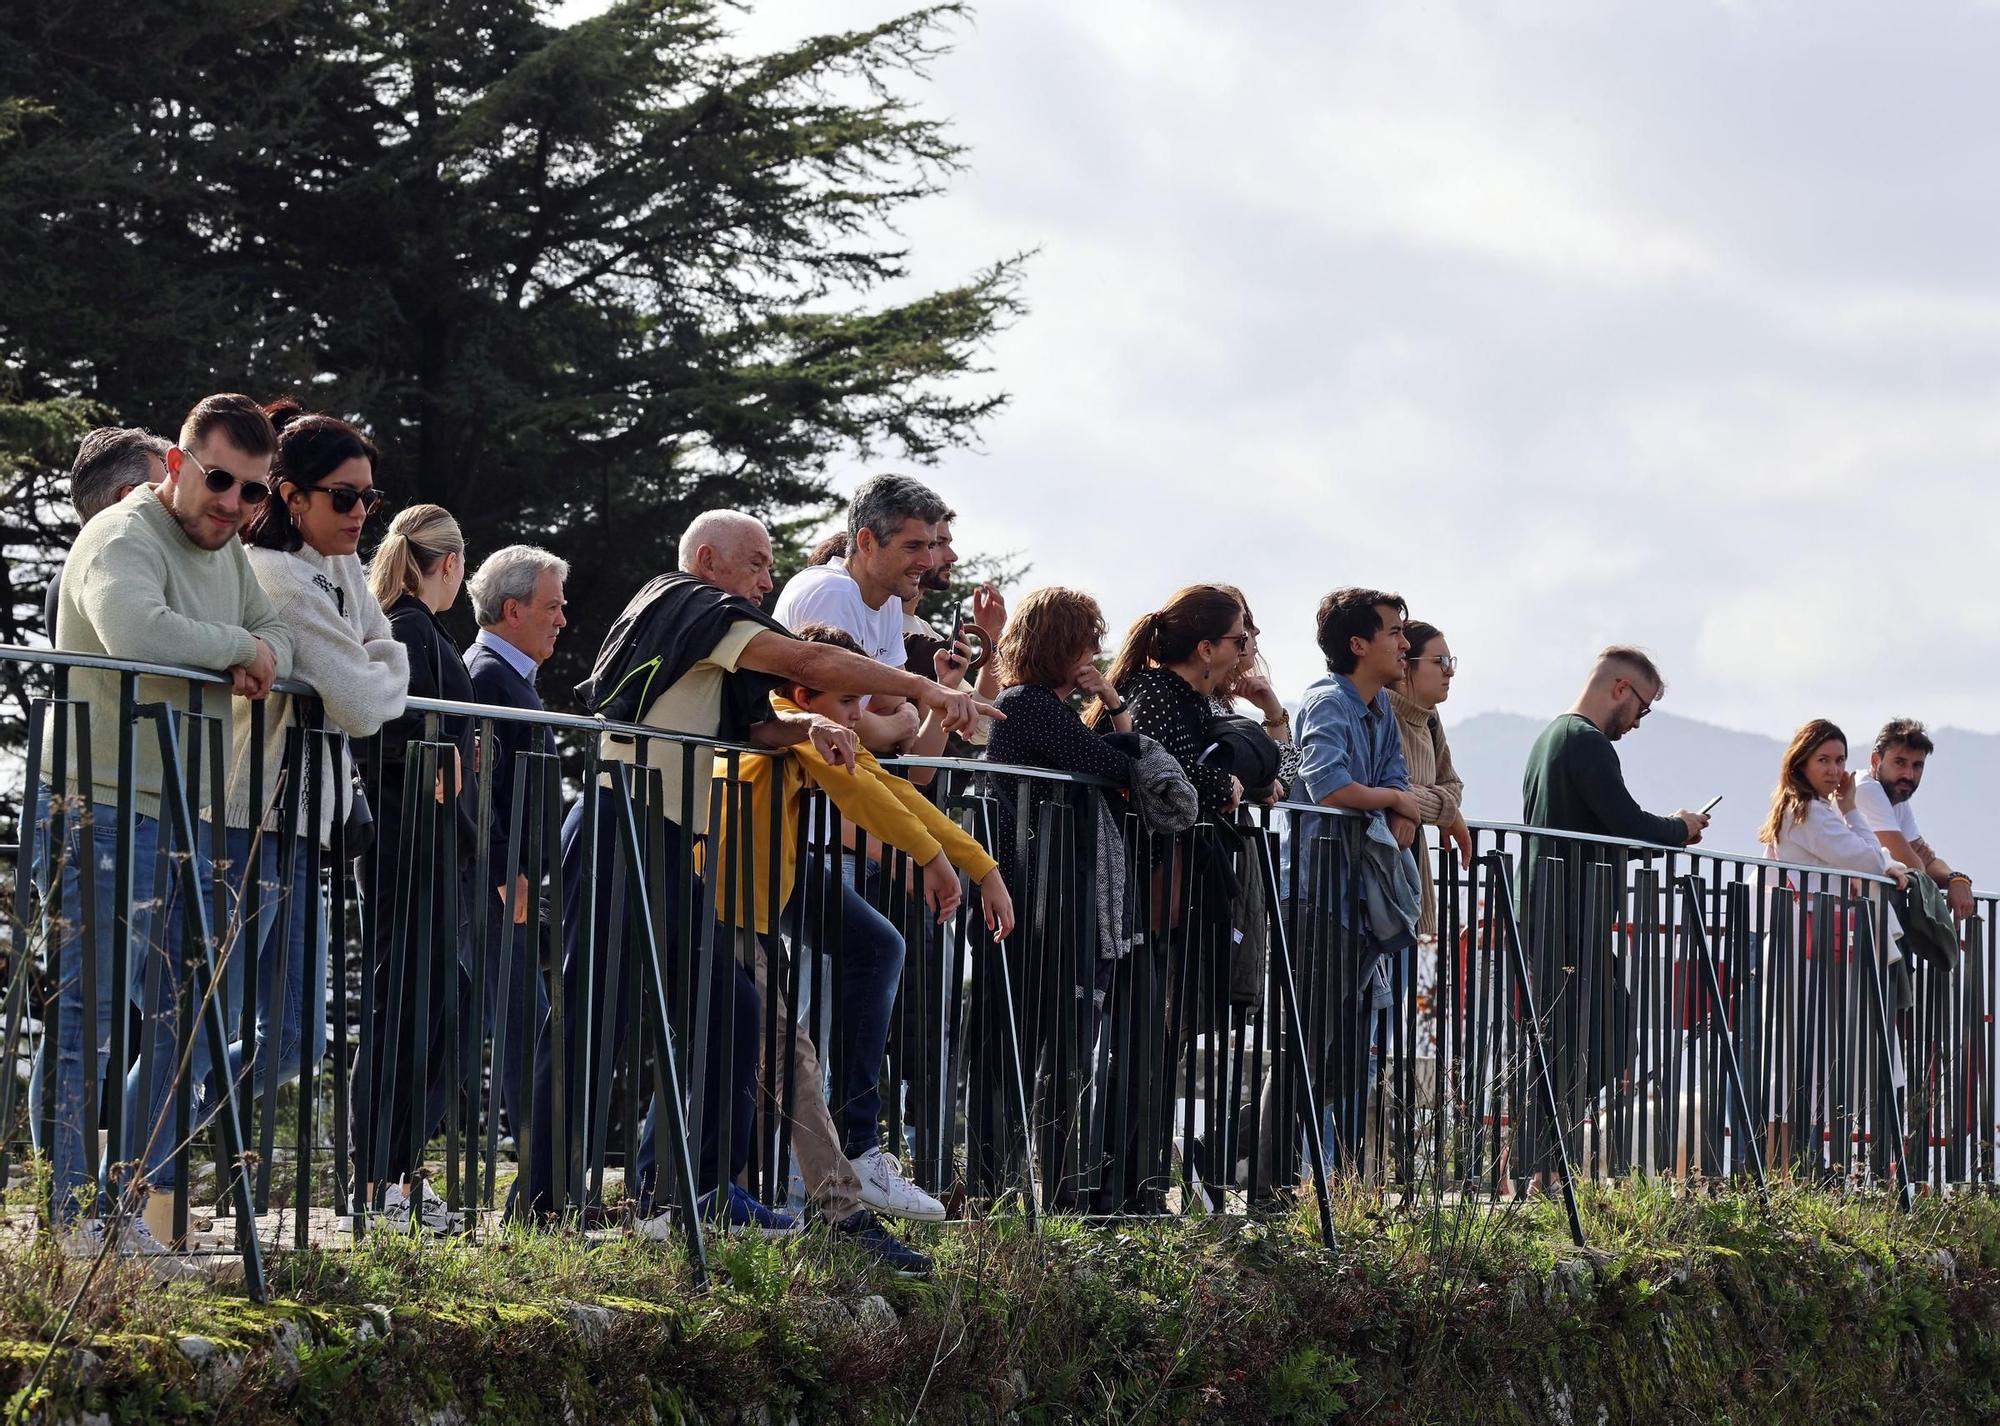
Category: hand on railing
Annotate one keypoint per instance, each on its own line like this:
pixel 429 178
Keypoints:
pixel 254 679
pixel 1235 798
pixel 998 903
pixel 1460 836
pixel 1403 829
pixel 942 892
pixel 1697 823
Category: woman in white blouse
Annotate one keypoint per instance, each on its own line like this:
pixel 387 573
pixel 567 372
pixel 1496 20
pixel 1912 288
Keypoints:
pixel 1812 820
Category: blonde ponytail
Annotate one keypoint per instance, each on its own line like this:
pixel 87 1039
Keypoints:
pixel 418 538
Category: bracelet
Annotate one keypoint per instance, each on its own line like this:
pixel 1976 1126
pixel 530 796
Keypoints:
pixel 1958 876
pixel 1113 712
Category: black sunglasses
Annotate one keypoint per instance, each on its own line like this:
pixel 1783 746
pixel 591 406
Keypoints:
pixel 219 481
pixel 344 498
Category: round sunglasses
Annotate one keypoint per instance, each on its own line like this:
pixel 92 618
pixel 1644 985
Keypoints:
pixel 219 481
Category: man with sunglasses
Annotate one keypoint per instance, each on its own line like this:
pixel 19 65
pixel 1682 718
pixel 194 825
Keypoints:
pixel 158 577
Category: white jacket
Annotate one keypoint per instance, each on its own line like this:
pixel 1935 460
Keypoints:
pixel 343 648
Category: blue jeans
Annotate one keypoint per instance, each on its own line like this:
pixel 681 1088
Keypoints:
pixel 291 984
pixel 727 1088
pixel 869 966
pixel 94 923
pixel 509 948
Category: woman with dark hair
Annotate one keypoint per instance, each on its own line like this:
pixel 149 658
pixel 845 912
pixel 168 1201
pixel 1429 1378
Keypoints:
pixel 1813 820
pixel 303 545
pixel 302 542
pixel 1428 670
pixel 1427 674
pixel 1250 681
pixel 1172 662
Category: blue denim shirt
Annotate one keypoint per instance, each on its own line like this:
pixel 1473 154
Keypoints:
pixel 1342 740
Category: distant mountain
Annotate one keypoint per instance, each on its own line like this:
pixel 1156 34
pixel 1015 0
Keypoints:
pixel 1673 762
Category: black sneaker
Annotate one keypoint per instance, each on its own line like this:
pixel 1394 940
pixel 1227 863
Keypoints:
pixel 878 1242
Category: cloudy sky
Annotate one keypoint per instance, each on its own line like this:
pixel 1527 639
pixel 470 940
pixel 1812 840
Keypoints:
pixel 1572 320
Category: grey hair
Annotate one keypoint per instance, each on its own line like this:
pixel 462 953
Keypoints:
pixel 110 457
pixel 511 572
pixel 714 529
pixel 883 502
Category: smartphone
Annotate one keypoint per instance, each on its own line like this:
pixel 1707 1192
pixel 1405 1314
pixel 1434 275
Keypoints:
pixel 1711 804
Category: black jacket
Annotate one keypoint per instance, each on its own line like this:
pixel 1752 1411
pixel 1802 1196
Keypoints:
pixel 670 625
pixel 436 671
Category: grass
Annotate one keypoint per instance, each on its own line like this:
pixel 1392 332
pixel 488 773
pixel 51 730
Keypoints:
pixel 1693 1303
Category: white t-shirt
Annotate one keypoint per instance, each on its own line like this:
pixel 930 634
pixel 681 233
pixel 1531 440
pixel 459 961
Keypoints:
pixel 827 594
pixel 1871 800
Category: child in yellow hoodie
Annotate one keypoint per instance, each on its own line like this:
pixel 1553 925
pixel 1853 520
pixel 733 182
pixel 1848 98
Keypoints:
pixel 847 1167
pixel 870 798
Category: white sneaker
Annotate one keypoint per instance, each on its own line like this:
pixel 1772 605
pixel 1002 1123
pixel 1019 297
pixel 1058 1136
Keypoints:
pixel 83 1238
pixel 135 1241
pixel 884 1189
pixel 431 1212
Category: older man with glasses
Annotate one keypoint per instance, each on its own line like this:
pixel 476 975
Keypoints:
pixel 158 577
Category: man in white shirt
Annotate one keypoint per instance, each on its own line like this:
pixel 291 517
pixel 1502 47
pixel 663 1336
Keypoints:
pixel 892 532
pixel 1895 770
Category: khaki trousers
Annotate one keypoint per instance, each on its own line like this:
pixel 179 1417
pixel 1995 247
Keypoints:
pixel 829 1177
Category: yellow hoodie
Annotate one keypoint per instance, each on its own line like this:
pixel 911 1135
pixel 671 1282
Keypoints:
pixel 885 806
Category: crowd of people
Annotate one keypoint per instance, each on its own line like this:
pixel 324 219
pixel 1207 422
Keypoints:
pixel 236 548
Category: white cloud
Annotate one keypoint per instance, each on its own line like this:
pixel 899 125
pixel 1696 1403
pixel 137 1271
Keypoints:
pixel 1572 319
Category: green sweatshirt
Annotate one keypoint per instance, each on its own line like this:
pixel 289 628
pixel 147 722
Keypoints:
pixel 136 587
pixel 1574 783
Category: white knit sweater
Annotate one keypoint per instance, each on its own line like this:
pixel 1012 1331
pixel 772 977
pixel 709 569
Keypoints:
pixel 343 648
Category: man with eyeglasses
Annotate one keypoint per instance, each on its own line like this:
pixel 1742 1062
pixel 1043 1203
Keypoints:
pixel 158 577
pixel 1573 781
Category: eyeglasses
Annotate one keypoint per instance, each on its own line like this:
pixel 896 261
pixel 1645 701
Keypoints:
pixel 1448 663
pixel 220 481
pixel 1242 641
pixel 345 498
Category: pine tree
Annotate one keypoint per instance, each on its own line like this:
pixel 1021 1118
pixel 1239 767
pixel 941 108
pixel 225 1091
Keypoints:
pixel 580 282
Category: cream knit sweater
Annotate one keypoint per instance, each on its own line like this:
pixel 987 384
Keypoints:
pixel 344 649
pixel 136 587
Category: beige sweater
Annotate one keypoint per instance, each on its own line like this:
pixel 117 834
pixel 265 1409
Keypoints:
pixel 1434 782
pixel 136 587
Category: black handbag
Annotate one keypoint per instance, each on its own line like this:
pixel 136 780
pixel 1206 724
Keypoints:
pixel 1241 746
pixel 359 828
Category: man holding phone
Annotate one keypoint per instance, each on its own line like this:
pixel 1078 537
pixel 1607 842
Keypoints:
pixel 1574 782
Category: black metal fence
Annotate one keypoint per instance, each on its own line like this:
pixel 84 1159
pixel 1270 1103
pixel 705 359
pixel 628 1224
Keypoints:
pixel 1192 1023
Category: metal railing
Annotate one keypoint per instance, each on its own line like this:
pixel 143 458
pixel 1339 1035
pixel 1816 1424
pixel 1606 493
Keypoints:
pixel 1230 1032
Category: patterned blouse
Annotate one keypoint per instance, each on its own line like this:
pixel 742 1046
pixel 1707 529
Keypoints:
pixel 1041 730
pixel 1166 708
